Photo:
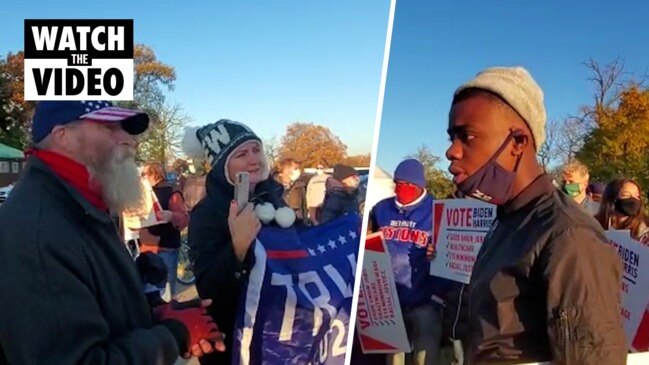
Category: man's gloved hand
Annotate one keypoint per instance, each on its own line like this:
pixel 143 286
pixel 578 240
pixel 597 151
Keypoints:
pixel 192 327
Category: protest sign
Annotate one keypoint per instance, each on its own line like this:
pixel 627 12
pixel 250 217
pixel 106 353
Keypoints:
pixel 459 228
pixel 635 281
pixel 379 320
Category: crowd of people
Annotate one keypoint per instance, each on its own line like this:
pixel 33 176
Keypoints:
pixel 618 205
pixel 546 286
pixel 72 291
pixel 319 197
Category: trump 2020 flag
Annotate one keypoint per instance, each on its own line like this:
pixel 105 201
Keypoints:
pixel 298 298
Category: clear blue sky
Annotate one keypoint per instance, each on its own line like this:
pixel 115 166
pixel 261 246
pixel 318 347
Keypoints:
pixel 438 45
pixel 264 63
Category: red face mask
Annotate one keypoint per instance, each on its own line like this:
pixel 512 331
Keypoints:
pixel 407 193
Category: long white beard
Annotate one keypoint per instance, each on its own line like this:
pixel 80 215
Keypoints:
pixel 120 181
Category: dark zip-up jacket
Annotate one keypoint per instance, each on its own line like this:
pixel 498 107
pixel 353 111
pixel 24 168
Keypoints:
pixel 546 286
pixel 219 274
pixel 338 201
pixel 69 290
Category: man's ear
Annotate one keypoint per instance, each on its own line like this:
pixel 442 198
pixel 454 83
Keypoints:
pixel 63 137
pixel 521 141
pixel 58 135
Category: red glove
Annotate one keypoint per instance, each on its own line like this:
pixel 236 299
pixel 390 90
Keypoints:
pixel 198 324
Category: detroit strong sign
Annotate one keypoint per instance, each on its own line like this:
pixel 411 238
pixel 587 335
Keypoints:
pixel 89 59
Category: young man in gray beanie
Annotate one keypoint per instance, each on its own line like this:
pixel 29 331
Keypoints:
pixel 545 285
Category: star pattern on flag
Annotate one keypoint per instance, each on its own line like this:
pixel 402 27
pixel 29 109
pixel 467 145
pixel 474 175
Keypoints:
pixel 95 105
pixel 331 242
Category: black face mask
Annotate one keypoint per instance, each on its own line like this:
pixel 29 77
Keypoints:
pixel 628 206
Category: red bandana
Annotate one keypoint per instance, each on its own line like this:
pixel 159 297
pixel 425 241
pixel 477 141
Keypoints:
pixel 407 193
pixel 74 173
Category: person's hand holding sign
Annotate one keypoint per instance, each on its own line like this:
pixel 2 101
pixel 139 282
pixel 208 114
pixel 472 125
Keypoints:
pixel 244 227
pixel 430 251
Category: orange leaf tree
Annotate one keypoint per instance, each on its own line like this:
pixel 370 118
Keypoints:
pixel 15 112
pixel 618 146
pixel 312 144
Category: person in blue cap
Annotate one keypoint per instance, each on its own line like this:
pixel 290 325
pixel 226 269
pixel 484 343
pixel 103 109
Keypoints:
pixel 406 222
pixel 71 293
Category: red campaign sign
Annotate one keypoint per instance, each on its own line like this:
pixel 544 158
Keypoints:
pixel 374 345
pixel 438 210
pixel 374 243
pixel 379 320
pixel 641 339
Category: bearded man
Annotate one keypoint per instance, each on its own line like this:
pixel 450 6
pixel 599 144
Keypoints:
pixel 71 293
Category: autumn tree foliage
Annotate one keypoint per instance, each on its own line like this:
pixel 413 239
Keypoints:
pixel 611 133
pixel 15 112
pixel 619 143
pixel 152 79
pixel 311 144
pixel 358 160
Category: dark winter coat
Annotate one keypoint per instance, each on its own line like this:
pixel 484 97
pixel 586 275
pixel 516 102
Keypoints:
pixel 338 201
pixel 219 274
pixel 71 293
pixel 545 286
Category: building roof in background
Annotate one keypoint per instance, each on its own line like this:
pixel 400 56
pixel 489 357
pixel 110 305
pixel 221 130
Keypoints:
pixel 10 152
pixel 381 174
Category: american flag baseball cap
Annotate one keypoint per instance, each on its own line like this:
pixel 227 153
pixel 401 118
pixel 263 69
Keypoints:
pixel 49 114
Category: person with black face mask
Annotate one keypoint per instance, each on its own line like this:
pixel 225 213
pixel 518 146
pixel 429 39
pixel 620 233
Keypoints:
pixel 545 285
pixel 622 208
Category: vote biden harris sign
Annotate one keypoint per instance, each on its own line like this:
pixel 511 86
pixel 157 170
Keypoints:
pixel 78 59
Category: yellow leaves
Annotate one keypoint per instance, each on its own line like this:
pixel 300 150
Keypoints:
pixel 358 160
pixel 13 68
pixel 312 144
pixel 147 65
pixel 619 143
pixel 628 124
pixel 158 69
